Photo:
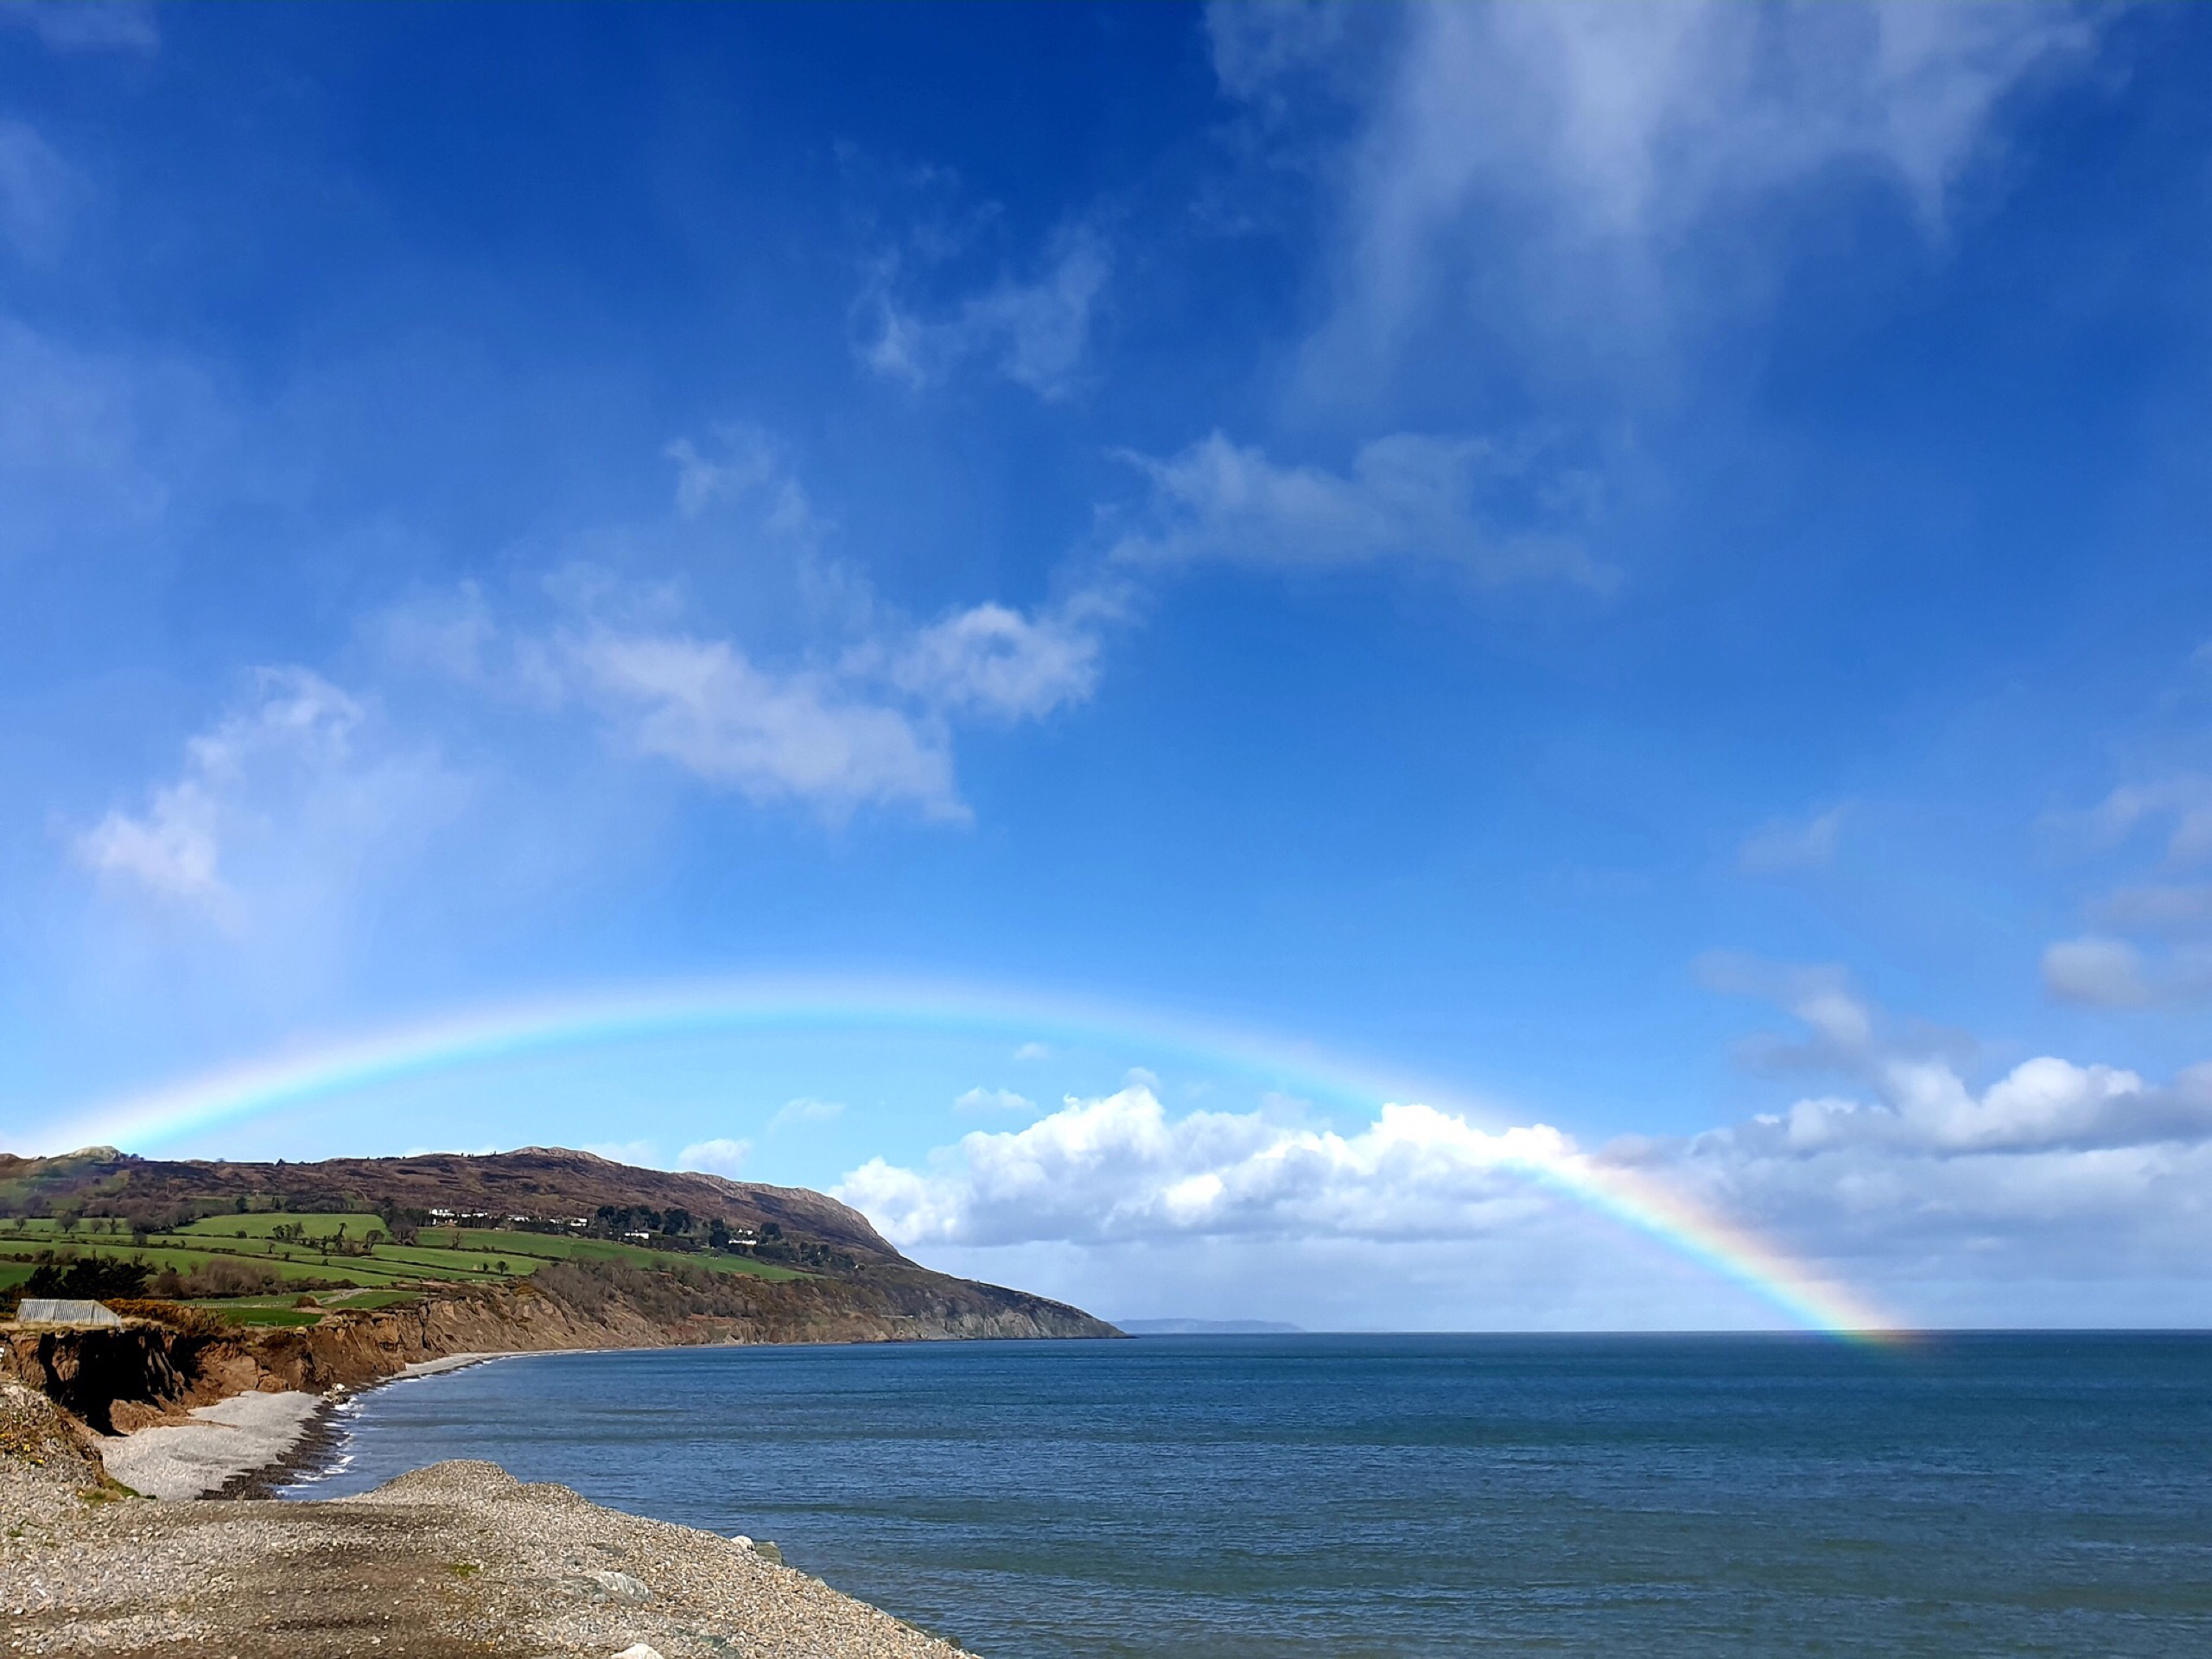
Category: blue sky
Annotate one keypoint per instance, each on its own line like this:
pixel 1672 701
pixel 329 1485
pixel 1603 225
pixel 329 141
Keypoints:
pixel 1642 568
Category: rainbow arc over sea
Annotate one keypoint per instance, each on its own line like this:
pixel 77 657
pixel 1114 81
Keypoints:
pixel 490 1034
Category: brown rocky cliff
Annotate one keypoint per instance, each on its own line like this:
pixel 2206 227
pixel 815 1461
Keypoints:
pixel 117 1380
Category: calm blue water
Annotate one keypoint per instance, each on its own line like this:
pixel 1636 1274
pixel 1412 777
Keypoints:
pixel 1407 1496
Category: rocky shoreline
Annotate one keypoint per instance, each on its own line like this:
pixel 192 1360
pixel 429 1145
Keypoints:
pixel 456 1562
pixel 159 1368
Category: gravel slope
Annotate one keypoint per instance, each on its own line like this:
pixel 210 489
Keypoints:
pixel 456 1562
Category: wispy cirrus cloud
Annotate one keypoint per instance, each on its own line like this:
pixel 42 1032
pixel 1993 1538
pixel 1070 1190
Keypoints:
pixel 858 711
pixel 1409 498
pixel 2149 941
pixel 805 1110
pixel 798 735
pixel 980 1100
pixel 280 810
pixel 1034 330
pixel 1596 140
pixel 1786 845
pixel 85 25
pixel 39 192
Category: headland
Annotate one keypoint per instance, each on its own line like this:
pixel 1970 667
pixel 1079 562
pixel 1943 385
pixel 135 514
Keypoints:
pixel 254 1298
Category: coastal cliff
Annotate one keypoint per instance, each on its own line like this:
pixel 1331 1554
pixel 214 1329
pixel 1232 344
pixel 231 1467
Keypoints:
pixel 278 1278
pixel 167 1360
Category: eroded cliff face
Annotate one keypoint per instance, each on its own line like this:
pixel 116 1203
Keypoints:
pixel 149 1371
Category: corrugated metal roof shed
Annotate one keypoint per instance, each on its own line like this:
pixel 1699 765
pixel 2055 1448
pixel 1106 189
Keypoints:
pixel 36 1310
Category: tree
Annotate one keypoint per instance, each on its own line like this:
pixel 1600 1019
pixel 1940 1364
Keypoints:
pixel 90 1278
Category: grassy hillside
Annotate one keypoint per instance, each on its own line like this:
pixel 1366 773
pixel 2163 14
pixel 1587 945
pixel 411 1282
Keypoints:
pixel 613 1252
pixel 253 1256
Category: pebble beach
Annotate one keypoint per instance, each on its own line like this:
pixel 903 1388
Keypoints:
pixel 459 1560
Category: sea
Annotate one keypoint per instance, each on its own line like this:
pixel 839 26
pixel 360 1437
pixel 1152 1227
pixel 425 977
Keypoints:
pixel 1399 1496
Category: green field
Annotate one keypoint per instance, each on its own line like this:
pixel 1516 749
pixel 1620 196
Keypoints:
pixel 385 1272
pixel 249 1313
pixel 554 1247
pixel 265 1223
pixel 281 1310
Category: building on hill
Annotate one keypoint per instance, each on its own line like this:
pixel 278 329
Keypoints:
pixel 48 1310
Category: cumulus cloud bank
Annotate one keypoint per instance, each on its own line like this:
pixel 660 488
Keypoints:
pixel 1912 1175
pixel 1119 1168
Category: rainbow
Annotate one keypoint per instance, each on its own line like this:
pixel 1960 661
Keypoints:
pixel 490 1034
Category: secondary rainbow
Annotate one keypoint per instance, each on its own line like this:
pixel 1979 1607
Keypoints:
pixel 489 1034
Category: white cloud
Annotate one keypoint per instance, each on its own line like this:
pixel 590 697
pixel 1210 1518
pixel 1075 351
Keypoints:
pixel 85 25
pixel 281 808
pixel 991 660
pixel 1910 1085
pixel 1033 1052
pixel 2185 800
pixel 171 849
pixel 1406 497
pixel 2109 973
pixel 1843 1024
pixel 1601 136
pixel 805 1110
pixel 794 735
pixel 90 444
pixel 1783 846
pixel 1261 48
pixel 980 1100
pixel 2055 1171
pixel 37 190
pixel 716 1157
pixel 641 1154
pixel 2177 911
pixel 1120 1168
pixel 857 710
pixel 744 465
pixel 1036 333
pixel 2101 973
pixel 1924 1105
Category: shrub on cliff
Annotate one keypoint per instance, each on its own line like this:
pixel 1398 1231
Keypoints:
pixel 665 1294
pixel 193 1321
pixel 222 1276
